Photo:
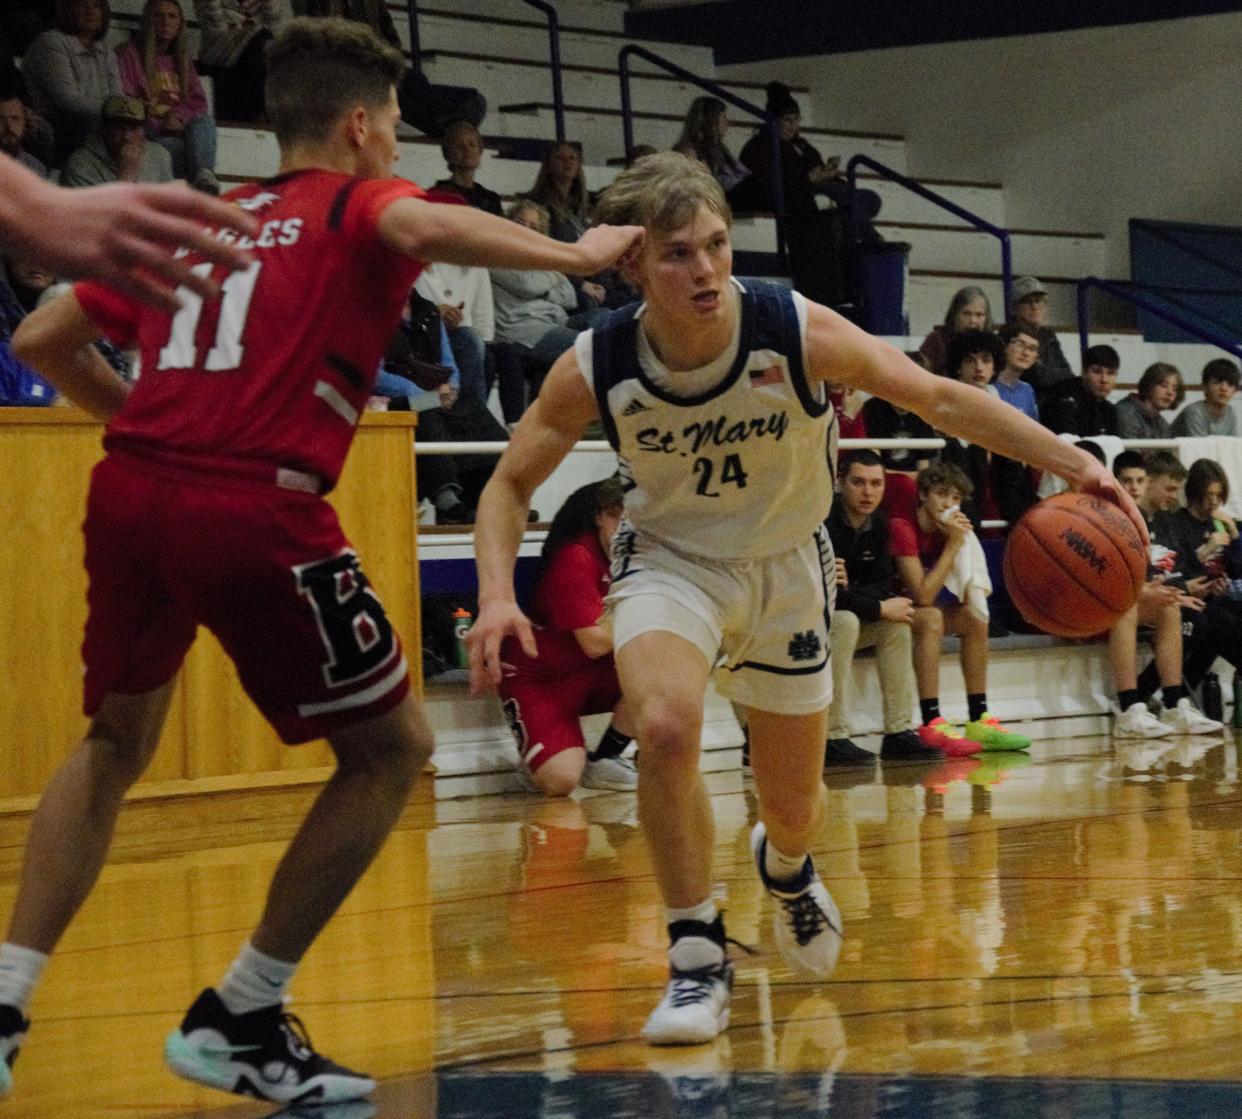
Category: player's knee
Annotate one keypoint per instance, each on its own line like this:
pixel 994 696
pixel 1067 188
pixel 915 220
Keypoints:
pixel 555 783
pixel 117 757
pixel 669 732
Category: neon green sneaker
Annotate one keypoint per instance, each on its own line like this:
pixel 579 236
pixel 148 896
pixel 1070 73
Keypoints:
pixel 987 731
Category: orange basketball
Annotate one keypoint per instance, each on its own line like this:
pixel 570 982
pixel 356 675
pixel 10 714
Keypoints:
pixel 1074 564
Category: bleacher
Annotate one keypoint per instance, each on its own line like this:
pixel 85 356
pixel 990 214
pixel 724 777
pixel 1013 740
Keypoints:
pixel 501 47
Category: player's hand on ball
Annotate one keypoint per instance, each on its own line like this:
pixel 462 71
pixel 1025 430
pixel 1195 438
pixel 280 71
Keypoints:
pixel 495 622
pixel 1101 483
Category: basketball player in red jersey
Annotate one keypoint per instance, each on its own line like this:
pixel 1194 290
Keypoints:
pixel 208 510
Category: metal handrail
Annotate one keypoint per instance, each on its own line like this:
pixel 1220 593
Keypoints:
pixel 851 174
pixel 554 54
pixel 716 90
pixel 1229 345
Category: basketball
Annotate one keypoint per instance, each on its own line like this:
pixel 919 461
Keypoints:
pixel 1074 564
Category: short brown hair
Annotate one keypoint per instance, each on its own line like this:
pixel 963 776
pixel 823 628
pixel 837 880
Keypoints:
pixel 1165 464
pixel 661 192
pixel 318 69
pixel 946 474
pixel 1203 472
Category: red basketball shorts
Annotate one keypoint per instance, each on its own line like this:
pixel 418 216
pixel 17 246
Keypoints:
pixel 544 714
pixel 267 570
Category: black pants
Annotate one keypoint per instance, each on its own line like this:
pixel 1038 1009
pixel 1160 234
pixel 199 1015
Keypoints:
pixel 468 421
pixel 238 89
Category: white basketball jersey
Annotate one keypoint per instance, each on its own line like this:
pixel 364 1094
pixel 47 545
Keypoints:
pixel 743 469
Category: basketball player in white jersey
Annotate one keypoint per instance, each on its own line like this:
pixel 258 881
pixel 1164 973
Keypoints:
pixel 713 393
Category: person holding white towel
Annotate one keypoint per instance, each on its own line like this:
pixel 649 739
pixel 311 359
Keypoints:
pixel 938 546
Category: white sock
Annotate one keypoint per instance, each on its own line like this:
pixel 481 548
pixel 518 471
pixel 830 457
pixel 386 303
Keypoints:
pixel 20 969
pixel 705 911
pixel 779 867
pixel 254 981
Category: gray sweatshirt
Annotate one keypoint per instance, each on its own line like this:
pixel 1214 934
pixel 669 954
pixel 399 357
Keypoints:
pixel 529 304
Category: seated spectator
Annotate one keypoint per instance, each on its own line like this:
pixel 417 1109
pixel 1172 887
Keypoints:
pixel 452 483
pixel 374 13
pixel 70 71
pixel 1200 531
pixel 462 148
pixel 805 172
pixel 933 553
pixel 1080 406
pixel 868 614
pixel 560 188
pixel 534 314
pixel 120 150
pixel 1214 414
pixel 233 35
pixel 968 310
pixel 821 257
pixel 574 674
pixel 1028 307
pixel 20 386
pixel 884 420
pixel 1170 612
pixel 702 138
pixel 1159 389
pixel 155 67
pixel 1000 487
pixel 1021 351
pixel 14 122
pixel 463 295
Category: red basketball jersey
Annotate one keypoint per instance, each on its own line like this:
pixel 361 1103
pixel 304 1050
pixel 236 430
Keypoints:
pixel 275 372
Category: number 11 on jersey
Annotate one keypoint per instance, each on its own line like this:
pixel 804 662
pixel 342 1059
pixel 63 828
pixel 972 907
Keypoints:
pixel 180 352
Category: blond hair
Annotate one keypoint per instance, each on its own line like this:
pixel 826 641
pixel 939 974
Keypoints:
pixel 661 192
pixel 522 205
pixel 319 68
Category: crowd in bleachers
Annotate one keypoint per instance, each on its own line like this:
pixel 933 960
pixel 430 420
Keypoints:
pixel 908 522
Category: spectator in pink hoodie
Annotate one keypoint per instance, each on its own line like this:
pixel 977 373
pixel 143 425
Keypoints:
pixel 155 66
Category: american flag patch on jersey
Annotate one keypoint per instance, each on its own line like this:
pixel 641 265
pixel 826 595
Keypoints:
pixel 769 376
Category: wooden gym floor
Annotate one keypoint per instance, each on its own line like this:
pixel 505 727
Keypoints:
pixel 1054 936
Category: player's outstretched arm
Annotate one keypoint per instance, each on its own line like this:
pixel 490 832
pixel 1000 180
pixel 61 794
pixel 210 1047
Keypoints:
pixel 837 350
pixel 546 434
pixel 55 340
pixel 123 233
pixel 434 231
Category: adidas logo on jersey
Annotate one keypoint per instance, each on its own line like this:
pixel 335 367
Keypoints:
pixel 634 407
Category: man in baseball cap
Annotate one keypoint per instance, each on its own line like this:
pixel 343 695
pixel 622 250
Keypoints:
pixel 1028 309
pixel 119 151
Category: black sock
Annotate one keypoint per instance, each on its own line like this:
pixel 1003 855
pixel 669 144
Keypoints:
pixel 930 709
pixel 714 932
pixel 1128 698
pixel 1172 694
pixel 611 744
pixel 976 705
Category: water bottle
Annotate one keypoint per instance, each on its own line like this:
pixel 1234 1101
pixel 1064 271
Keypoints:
pixel 1237 700
pixel 1209 693
pixel 462 620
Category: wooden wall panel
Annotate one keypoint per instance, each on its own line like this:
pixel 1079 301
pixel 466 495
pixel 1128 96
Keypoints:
pixel 213 731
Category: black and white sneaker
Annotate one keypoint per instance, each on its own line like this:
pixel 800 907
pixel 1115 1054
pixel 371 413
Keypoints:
pixel 807 926
pixel 13 1028
pixel 695 1007
pixel 265 1054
